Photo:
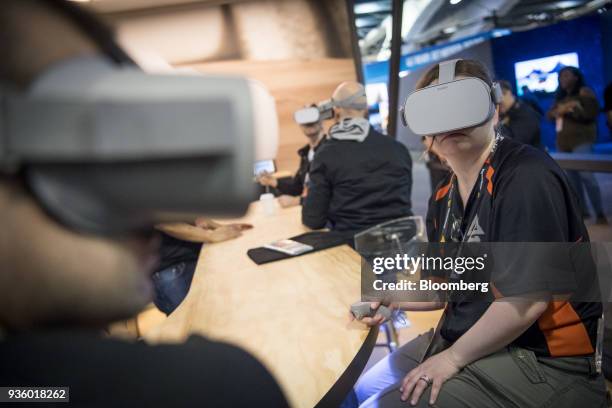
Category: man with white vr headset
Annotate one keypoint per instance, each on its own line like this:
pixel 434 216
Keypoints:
pixel 293 189
pixel 508 349
pixel 359 178
pixel 93 154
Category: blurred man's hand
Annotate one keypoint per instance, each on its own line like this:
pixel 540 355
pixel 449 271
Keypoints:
pixel 267 180
pixel 207 223
pixel 288 201
pixel 225 233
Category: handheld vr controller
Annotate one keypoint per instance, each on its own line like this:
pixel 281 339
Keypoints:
pixel 364 309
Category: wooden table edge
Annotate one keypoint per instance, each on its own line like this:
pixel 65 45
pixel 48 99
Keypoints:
pixel 340 389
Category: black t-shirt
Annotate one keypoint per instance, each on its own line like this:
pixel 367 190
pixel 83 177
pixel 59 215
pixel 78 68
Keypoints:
pixel 103 372
pixel 525 197
pixel 173 251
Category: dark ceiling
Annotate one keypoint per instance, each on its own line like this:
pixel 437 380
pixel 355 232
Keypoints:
pixel 442 21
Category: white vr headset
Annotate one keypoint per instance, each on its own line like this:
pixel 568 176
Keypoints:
pixel 108 149
pixel 451 104
pixel 313 114
pixel 324 110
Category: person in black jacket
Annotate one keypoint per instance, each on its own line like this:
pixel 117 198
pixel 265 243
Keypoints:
pixel 293 188
pixel 518 120
pixel 359 178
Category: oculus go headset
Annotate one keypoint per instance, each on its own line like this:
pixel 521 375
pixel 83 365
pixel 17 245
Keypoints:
pixel 108 149
pixel 451 104
pixel 313 114
pixel 324 110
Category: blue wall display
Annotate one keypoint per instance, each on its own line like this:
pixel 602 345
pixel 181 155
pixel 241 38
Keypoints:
pixel 583 36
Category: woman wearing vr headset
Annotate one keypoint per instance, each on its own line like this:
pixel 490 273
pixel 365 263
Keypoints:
pixel 531 352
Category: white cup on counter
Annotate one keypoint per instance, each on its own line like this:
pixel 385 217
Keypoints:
pixel 268 202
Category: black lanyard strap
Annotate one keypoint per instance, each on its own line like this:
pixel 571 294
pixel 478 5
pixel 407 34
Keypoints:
pixel 476 205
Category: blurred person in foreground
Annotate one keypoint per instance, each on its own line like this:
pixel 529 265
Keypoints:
pixel 59 288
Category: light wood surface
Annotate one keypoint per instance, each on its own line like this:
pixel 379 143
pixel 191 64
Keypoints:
pixel 291 314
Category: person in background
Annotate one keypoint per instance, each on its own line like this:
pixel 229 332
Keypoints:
pixel 575 112
pixel 59 288
pixel 292 189
pixel 517 119
pixel 608 106
pixel 530 99
pixel 438 170
pixel 178 255
pixel 359 178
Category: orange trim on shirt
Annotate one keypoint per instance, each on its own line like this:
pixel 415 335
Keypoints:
pixel 496 293
pixel 564 331
pixel 489 177
pixel 443 190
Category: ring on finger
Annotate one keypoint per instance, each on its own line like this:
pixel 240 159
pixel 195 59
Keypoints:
pixel 426 378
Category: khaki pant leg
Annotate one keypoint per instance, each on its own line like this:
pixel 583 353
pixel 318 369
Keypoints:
pixel 512 377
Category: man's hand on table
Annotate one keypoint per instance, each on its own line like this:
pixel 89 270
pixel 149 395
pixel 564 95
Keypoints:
pixel 207 223
pixel 286 201
pixel 204 230
pixel 219 232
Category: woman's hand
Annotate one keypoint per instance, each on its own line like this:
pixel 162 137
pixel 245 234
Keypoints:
pixel 434 371
pixel 377 318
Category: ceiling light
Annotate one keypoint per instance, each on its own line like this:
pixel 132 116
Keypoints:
pixel 453 2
